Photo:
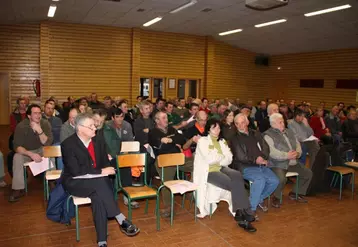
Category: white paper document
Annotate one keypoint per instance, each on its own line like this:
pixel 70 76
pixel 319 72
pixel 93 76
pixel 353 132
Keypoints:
pixel 90 176
pixel 311 138
pixel 183 187
pixel 40 167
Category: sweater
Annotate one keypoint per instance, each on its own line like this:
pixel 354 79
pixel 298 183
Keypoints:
pixel 66 131
pixel 301 131
pixel 215 167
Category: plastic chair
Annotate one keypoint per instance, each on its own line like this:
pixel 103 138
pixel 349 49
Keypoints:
pixel 175 186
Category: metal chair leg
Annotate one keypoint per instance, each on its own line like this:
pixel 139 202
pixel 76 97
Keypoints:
pixel 157 211
pixel 195 204
pixel 183 201
pixel 191 201
pixel 297 186
pixel 333 179
pixel 171 208
pixel 353 180
pixel 25 178
pixel 47 190
pixel 77 224
pixel 340 187
pixel 146 206
pixel 129 208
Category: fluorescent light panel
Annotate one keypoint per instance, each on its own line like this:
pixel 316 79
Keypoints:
pixel 230 32
pixel 192 2
pixel 51 11
pixel 147 24
pixel 270 23
pixel 324 11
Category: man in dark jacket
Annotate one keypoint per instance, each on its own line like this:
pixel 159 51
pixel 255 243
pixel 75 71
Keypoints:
pixel 165 140
pixel 250 156
pixel 84 154
pixel 350 129
pixel 333 123
pixel 261 113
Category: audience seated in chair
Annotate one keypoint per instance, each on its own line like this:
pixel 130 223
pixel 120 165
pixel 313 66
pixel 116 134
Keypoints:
pixel 68 128
pixel 194 133
pixel 264 123
pixel 284 153
pixel 166 140
pixel 251 154
pixel 214 177
pixel 115 132
pixel 30 136
pixel 318 124
pixel 334 124
pixel 350 129
pixel 228 128
pixel 302 130
pixel 83 154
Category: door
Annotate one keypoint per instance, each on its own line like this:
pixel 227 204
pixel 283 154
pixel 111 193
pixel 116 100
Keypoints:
pixel 188 88
pixel 4 99
pixel 152 88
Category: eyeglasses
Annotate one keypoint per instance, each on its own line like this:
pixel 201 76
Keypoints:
pixel 92 127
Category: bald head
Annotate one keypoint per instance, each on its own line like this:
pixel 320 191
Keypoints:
pixel 201 118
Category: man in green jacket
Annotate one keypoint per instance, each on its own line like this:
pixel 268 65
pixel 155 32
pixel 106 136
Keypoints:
pixel 115 132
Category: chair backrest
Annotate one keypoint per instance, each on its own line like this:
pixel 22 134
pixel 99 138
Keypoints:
pixel 52 151
pixel 127 147
pixel 177 159
pixel 350 155
pixel 131 160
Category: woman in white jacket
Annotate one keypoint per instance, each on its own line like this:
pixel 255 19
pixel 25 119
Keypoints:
pixel 216 181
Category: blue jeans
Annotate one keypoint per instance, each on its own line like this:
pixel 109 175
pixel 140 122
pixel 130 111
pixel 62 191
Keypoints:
pixel 264 182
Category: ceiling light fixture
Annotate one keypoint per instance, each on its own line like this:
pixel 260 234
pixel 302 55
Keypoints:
pixel 51 11
pixel 324 11
pixel 270 23
pixel 184 6
pixel 230 32
pixel 147 24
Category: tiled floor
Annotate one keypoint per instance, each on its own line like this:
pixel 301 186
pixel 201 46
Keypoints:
pixel 324 221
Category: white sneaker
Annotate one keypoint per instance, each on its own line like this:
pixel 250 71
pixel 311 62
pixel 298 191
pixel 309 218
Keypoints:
pixel 3 184
pixel 134 204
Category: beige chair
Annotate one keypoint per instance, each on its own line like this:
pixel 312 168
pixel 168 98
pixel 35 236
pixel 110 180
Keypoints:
pixel 77 201
pixel 51 152
pixel 175 186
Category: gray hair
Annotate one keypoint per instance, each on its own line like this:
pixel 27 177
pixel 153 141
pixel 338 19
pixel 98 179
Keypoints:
pixel 270 107
pixel 240 115
pixel 274 117
pixel 81 118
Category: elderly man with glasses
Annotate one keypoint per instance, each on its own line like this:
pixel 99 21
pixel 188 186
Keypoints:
pixel 83 153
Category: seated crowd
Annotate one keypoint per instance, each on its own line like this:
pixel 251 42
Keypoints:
pixel 227 146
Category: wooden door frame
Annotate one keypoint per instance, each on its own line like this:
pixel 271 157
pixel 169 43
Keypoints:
pixel 151 85
pixel 9 89
pixel 187 79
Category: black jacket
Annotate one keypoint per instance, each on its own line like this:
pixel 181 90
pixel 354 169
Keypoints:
pixel 241 158
pixel 350 130
pixel 77 160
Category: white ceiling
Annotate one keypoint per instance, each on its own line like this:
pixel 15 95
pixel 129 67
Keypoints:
pixel 334 30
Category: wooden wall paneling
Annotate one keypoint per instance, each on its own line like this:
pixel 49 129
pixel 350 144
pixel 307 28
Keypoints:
pixel 208 82
pixel 135 65
pixel 44 61
pixel 172 55
pixel 327 65
pixel 85 59
pixel 19 56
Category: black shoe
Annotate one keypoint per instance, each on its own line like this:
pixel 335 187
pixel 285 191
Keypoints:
pixel 16 195
pixel 247 226
pixel 275 202
pixel 243 215
pixel 103 245
pixel 129 228
pixel 299 199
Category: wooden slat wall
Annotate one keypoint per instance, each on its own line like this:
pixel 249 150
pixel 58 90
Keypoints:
pixel 236 75
pixel 170 55
pixel 329 65
pixel 84 59
pixel 19 56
